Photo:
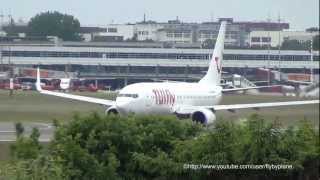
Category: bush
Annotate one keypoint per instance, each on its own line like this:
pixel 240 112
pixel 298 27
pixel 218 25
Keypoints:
pixel 158 147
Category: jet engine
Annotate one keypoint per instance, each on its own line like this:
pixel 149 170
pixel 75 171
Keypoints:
pixel 112 110
pixel 203 116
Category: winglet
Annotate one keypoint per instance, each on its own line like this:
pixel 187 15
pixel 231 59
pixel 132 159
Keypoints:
pixel 38 82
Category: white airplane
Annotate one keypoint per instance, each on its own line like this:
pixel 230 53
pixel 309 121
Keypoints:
pixel 196 100
pixel 65 83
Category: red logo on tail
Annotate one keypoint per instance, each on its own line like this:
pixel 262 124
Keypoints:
pixel 217 64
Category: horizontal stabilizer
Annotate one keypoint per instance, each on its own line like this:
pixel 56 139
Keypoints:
pixel 247 88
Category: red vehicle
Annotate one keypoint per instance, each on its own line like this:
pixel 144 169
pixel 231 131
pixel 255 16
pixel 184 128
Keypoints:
pixel 16 86
pixel 48 87
pixel 90 88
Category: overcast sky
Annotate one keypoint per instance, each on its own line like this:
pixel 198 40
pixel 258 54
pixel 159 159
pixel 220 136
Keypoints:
pixel 300 14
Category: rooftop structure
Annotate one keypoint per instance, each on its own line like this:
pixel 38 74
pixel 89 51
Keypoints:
pixel 173 31
pixel 157 56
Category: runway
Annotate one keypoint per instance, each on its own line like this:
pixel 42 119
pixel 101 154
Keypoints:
pixel 8 133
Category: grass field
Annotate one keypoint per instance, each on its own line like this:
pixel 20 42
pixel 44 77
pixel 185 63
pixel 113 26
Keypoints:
pixel 32 106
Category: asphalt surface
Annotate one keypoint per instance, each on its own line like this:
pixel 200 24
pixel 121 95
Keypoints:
pixel 8 133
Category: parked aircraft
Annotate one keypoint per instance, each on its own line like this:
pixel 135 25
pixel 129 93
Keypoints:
pixel 65 83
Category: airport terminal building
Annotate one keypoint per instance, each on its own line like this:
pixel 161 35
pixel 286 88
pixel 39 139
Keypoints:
pixel 149 50
pixel 152 63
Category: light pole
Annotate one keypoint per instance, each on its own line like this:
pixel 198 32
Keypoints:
pixel 311 59
pixel 279 49
pixel 1 58
pixel 1 49
pixel 11 83
pixel 1 16
pixel 269 44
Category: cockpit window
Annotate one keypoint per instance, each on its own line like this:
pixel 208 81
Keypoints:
pixel 128 95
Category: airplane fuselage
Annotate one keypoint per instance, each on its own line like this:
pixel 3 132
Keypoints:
pixel 163 98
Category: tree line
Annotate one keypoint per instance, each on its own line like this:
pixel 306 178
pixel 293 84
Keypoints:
pixel 158 147
pixel 64 26
pixel 67 27
pixel 286 45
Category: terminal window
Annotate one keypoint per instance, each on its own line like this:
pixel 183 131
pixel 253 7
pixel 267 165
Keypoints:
pixel 266 39
pixel 113 30
pixel 255 39
pixel 169 34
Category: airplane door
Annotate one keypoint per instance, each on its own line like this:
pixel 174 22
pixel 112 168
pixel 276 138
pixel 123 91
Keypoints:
pixel 148 101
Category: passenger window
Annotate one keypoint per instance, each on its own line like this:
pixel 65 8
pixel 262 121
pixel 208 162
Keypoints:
pixel 128 95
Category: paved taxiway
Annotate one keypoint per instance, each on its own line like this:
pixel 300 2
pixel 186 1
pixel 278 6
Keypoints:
pixel 8 133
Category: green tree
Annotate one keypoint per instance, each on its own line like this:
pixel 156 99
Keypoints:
pixel 208 44
pixel 42 167
pixel 10 29
pixel 312 29
pixel 295 45
pixel 254 142
pixel 316 42
pixel 19 129
pixel 54 23
pixel 113 146
pixel 24 147
pixel 133 39
pixel 157 147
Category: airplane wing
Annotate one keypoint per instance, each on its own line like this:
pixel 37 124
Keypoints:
pixel 300 82
pixel 79 98
pixel 234 107
pixel 104 102
pixel 247 88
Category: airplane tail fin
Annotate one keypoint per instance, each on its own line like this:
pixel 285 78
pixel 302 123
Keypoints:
pixel 213 75
pixel 38 82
